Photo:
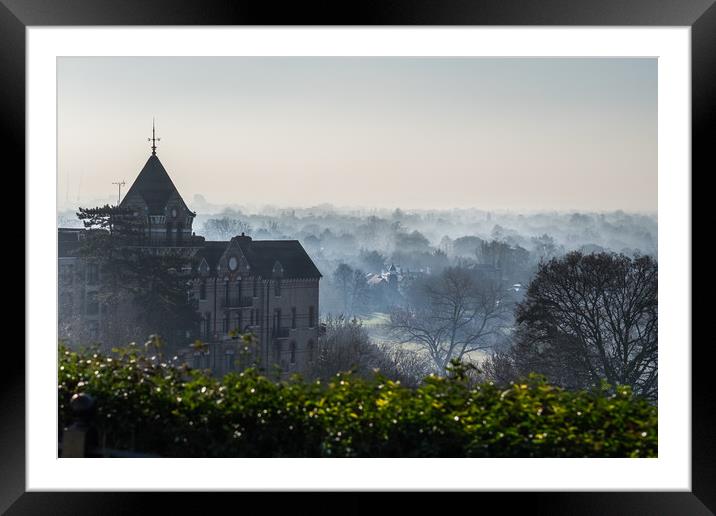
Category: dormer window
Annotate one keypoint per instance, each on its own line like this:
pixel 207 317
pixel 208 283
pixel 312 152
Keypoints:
pixel 174 213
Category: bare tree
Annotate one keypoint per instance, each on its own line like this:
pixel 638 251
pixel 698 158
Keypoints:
pixel 591 317
pixel 346 346
pixel 360 295
pixel 451 315
pixel 374 260
pixel 545 247
pixel 225 228
pixel 344 277
pixel 401 363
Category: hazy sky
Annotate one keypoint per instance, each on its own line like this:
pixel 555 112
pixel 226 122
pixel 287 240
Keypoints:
pixel 492 133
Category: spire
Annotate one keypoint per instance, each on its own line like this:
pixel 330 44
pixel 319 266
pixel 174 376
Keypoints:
pixel 154 140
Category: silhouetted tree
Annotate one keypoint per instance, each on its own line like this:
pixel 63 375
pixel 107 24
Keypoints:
pixel 412 242
pixel 343 276
pixel 467 246
pixel 139 292
pixel 373 260
pixel 588 318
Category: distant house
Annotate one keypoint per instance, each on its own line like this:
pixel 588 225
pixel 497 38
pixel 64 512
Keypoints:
pixel 266 288
pixel 385 279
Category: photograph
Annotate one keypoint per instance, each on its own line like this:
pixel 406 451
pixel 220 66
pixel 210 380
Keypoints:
pixel 357 256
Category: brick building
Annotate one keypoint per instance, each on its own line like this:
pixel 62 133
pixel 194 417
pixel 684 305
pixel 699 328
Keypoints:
pixel 265 288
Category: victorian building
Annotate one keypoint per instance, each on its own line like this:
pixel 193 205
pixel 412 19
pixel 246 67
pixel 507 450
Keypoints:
pixel 266 290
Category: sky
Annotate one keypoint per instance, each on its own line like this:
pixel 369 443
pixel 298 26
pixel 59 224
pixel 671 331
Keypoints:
pixel 522 134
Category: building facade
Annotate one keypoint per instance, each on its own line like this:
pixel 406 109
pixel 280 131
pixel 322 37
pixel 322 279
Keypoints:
pixel 266 290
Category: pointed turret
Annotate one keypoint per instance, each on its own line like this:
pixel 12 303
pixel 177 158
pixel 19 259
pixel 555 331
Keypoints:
pixel 154 198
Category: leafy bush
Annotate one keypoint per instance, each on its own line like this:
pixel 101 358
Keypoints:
pixel 162 407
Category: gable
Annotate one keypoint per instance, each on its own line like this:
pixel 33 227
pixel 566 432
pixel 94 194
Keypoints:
pixel 233 261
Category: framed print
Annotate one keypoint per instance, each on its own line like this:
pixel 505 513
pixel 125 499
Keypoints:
pixel 418 185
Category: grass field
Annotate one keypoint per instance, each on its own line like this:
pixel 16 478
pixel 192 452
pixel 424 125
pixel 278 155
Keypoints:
pixel 375 324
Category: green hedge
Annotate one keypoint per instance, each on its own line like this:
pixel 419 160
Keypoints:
pixel 149 405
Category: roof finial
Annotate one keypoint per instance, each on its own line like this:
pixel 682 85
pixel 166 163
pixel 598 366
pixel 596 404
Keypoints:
pixel 154 140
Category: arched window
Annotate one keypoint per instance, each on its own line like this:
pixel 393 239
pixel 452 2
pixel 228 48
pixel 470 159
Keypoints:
pixel 293 352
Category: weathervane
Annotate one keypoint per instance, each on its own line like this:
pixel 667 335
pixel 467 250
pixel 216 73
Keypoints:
pixel 153 140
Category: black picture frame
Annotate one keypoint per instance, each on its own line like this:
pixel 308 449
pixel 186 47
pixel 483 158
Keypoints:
pixel 700 15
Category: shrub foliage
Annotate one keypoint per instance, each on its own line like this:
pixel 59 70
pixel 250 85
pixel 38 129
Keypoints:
pixel 159 406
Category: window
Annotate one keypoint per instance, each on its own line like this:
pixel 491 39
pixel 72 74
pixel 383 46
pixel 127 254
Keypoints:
pixel 92 274
pixel 207 318
pixel 277 319
pixel 226 293
pixel 239 321
pixel 309 349
pixel 197 360
pixel 311 317
pixel 251 317
pixel 93 330
pixel 92 305
pixel 255 287
pixel 229 359
pixel 65 304
pixel 293 352
pixel 67 274
pixel 277 287
pixel 293 317
pixel 225 324
pixel 202 290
